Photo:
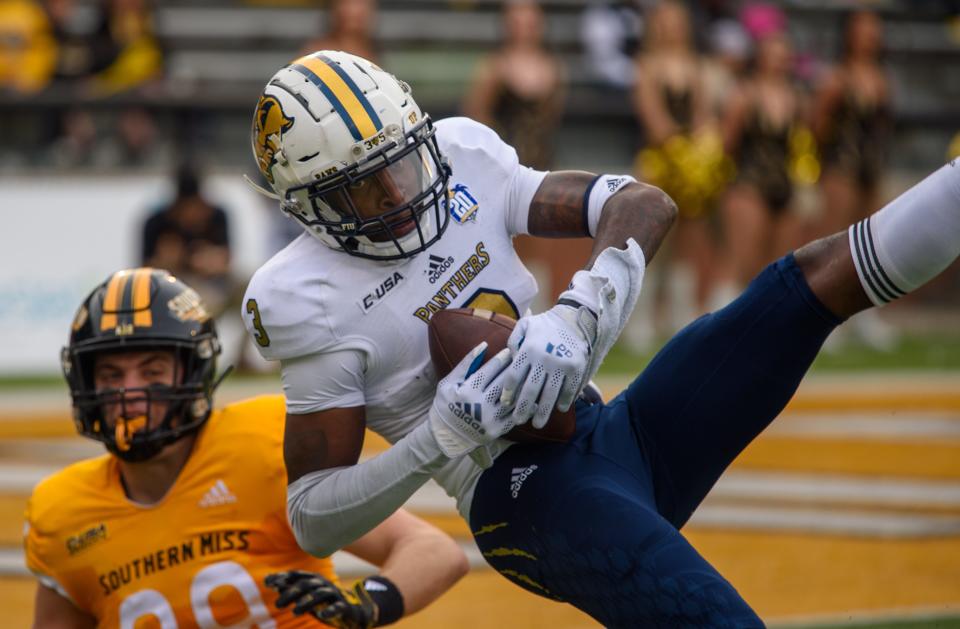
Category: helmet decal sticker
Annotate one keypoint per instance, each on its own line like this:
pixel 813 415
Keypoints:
pixel 270 123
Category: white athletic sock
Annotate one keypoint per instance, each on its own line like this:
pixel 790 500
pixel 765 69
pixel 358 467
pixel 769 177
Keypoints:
pixel 912 239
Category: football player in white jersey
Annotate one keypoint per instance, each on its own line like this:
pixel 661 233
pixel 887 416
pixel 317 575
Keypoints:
pixel 405 217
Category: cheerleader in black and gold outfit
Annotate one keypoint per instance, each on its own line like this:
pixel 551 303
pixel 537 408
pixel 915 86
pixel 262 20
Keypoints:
pixel 763 131
pixel 852 122
pixel 684 155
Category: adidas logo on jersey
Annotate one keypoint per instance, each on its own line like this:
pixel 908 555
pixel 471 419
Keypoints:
pixel 469 413
pixel 436 267
pixel 517 476
pixel 217 495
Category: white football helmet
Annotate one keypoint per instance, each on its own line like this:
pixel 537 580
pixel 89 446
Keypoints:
pixel 351 156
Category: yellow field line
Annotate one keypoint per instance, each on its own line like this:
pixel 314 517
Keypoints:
pixel 11 519
pixel 877 401
pixel 784 575
pixel 914 459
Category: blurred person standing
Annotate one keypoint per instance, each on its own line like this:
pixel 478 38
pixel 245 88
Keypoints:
pixel 137 58
pixel 136 142
pixel 519 91
pixel 189 237
pixel 28 51
pixel 684 156
pixel 107 48
pixel 762 129
pixel 350 28
pixel 609 34
pixel 852 121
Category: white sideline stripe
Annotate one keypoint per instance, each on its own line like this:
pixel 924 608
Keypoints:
pixel 781 486
pixel 867 426
pixel 12 561
pixel 832 521
pixel 859 618
pixel 837 489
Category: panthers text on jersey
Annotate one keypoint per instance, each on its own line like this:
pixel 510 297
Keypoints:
pixel 199 556
pixel 369 318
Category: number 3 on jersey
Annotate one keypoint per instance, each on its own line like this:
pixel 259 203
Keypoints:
pixel 260 334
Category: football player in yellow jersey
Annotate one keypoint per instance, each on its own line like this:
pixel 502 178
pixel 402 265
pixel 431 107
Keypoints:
pixel 184 519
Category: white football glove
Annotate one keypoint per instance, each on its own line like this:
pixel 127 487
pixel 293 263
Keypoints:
pixel 467 413
pixel 551 353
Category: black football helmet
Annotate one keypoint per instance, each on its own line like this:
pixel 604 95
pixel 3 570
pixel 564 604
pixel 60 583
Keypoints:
pixel 139 310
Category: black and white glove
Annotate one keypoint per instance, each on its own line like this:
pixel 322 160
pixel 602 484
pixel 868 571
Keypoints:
pixel 551 354
pixel 370 602
pixel 467 413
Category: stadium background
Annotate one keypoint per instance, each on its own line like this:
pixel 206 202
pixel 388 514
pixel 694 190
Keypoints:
pixel 846 511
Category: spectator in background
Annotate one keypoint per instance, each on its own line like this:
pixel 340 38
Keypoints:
pixel 189 238
pixel 107 48
pixel 730 52
pixel 852 121
pixel 761 124
pixel 137 58
pixel 684 155
pixel 75 146
pixel 350 28
pixel 610 34
pixel 519 91
pixel 28 51
pixel 136 142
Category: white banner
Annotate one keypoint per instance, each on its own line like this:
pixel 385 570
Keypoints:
pixel 63 235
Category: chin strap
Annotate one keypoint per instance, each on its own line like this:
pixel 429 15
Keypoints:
pixel 258 188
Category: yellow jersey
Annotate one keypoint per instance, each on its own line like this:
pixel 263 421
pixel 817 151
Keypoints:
pixel 198 557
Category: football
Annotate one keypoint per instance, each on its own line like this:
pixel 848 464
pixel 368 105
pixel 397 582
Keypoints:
pixel 454 332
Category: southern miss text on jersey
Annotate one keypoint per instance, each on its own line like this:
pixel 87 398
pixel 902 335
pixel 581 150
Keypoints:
pixel 195 559
pixel 353 332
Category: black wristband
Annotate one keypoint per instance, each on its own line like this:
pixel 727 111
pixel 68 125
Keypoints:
pixel 576 305
pixel 387 597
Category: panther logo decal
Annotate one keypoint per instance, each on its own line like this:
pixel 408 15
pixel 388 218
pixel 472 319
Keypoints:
pixel 269 124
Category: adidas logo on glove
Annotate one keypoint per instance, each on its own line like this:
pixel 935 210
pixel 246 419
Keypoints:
pixel 470 413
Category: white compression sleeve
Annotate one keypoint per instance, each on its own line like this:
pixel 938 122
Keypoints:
pixel 912 239
pixel 331 508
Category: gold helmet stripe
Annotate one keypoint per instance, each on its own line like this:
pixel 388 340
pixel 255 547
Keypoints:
pixel 344 95
pixel 111 303
pixel 142 315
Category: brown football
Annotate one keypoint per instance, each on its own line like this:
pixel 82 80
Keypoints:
pixel 454 332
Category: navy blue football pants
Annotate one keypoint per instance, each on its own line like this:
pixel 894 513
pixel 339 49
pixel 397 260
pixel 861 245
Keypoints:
pixel 595 522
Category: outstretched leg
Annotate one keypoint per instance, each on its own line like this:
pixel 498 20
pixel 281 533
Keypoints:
pixel 887 255
pixel 719 382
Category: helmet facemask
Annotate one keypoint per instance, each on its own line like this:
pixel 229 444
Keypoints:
pixel 388 205
pixel 188 399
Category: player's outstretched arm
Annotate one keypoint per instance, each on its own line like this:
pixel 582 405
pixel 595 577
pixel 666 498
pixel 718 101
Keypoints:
pixel 53 611
pixel 417 561
pixel 332 500
pixel 628 221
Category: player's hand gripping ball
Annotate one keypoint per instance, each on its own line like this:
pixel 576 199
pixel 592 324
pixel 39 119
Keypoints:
pixel 455 332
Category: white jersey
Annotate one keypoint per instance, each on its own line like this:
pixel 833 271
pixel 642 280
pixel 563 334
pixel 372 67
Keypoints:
pixel 353 332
